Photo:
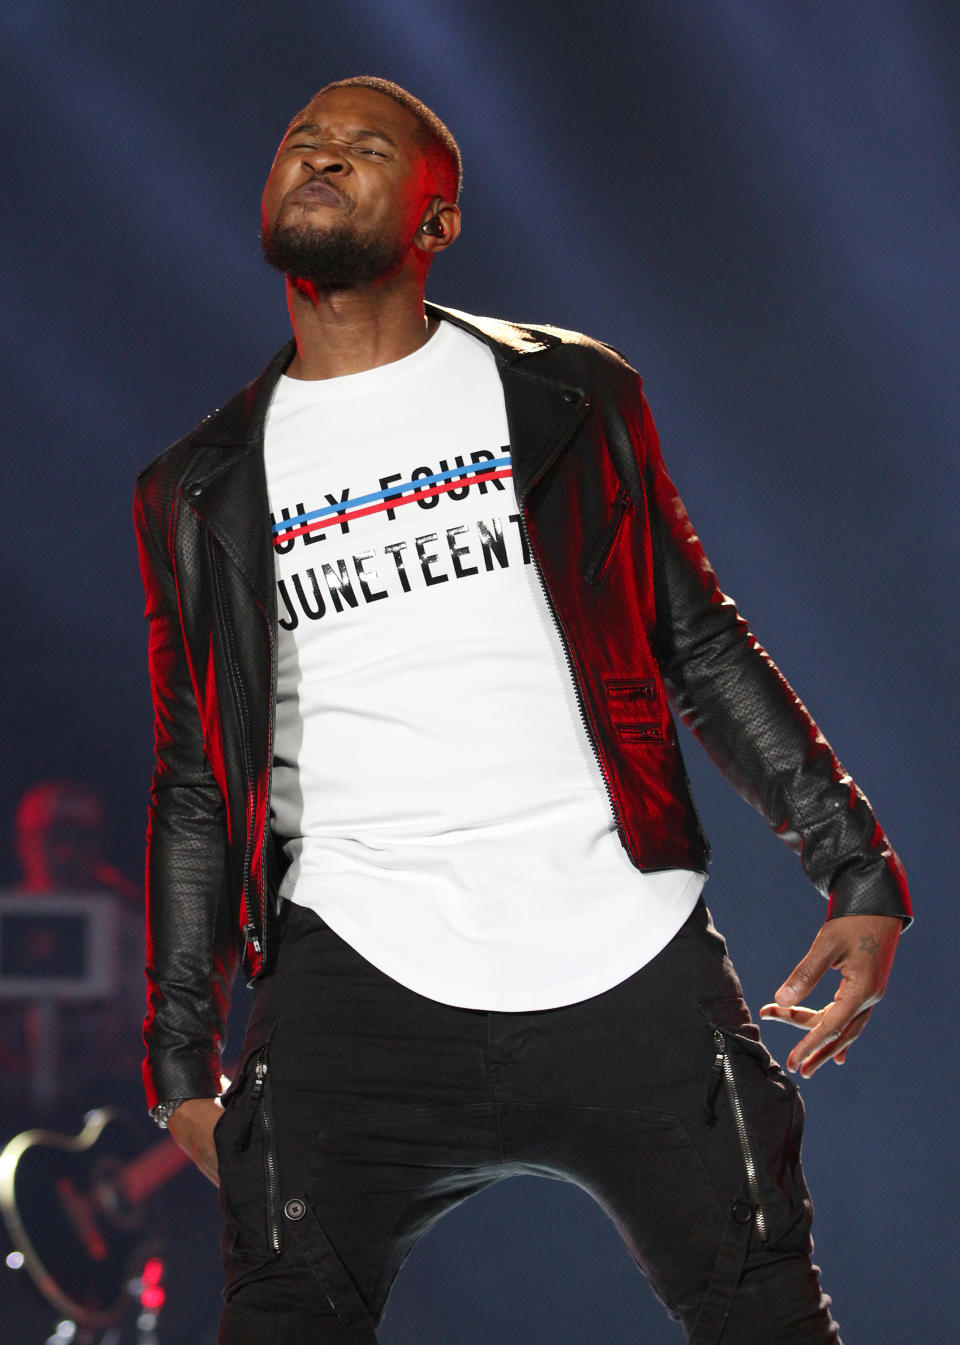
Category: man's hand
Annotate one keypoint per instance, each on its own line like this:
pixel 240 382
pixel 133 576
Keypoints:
pixel 861 948
pixel 191 1125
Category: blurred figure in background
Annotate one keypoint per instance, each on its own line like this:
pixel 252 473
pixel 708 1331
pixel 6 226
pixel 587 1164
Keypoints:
pixel 59 835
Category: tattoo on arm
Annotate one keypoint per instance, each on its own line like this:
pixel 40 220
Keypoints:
pixel 868 944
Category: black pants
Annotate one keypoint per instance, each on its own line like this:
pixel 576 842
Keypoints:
pixel 362 1112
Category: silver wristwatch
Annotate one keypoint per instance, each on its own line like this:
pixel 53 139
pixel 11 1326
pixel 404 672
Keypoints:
pixel 162 1112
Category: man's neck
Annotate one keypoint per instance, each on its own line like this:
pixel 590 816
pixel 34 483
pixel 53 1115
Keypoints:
pixel 349 331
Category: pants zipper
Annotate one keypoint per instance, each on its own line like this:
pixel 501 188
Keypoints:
pixel 722 1071
pixel 261 1095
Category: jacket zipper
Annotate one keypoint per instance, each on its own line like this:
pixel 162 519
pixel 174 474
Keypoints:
pixel 578 690
pixel 606 543
pixel 270 1172
pixel 723 1069
pixel 250 931
pixel 271 728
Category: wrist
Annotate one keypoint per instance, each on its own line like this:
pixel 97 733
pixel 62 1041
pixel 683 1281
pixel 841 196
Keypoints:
pixel 163 1111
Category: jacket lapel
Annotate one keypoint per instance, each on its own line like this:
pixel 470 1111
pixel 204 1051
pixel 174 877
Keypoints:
pixel 228 491
pixel 229 494
pixel 543 415
pixel 233 506
pixel 543 410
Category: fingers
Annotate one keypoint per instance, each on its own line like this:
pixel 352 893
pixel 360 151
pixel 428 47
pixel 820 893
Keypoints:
pixel 798 1014
pixel 829 1032
pixel 807 972
pixel 800 1017
pixel 861 948
pixel 834 1047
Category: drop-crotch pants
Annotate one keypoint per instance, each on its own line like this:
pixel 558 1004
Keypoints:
pixel 362 1112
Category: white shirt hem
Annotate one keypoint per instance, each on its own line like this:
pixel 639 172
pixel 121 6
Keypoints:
pixel 595 980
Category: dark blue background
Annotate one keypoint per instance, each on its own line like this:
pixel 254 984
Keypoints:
pixel 757 201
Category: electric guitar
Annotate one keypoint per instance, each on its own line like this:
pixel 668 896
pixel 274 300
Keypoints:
pixel 77 1209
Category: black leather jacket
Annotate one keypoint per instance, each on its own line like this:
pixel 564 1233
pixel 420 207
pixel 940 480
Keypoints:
pixel 637 609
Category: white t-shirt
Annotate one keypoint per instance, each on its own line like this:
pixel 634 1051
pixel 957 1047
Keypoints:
pixel 439 801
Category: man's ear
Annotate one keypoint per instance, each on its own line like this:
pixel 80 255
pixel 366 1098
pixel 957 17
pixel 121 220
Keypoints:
pixel 439 227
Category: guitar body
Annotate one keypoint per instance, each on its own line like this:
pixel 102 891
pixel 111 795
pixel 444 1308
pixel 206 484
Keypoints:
pixel 67 1208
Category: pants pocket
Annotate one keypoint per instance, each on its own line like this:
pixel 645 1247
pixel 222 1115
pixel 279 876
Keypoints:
pixel 246 1144
pixel 749 1094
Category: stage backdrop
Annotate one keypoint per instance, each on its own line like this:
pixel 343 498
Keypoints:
pixel 756 201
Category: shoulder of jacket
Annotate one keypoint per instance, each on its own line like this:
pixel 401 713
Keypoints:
pixel 226 425
pixel 169 463
pixel 584 345
pixel 578 358
pixel 568 353
pixel 162 480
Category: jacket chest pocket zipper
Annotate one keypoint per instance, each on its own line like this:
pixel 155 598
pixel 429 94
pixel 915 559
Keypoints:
pixel 260 1106
pixel 723 1075
pixel 601 553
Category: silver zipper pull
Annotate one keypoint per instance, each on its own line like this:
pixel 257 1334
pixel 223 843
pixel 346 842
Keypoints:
pixel 716 1079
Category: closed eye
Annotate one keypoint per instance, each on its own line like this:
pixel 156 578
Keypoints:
pixel 367 150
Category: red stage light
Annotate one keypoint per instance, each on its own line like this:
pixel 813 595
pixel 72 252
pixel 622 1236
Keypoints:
pixel 152 1294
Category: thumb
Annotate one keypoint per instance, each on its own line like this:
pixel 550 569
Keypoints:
pixel 805 975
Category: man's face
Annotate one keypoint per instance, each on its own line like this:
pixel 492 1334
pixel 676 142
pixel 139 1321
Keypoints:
pixel 347 191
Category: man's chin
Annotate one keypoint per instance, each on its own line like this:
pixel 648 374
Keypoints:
pixel 328 259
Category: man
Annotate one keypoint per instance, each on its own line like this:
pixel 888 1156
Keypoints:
pixel 59 831
pixel 417 598
pixel 92 1048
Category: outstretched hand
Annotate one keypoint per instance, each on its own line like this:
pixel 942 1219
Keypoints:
pixel 861 948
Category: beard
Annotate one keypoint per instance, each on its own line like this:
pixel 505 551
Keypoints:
pixel 337 258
